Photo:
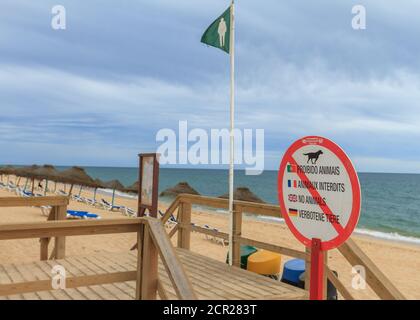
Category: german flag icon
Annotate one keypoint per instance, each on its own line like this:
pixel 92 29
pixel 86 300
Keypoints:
pixel 293 212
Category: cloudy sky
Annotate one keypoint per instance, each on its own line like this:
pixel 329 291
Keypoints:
pixel 98 92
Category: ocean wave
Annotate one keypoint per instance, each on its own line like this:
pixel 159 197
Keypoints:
pixel 394 236
pixel 120 194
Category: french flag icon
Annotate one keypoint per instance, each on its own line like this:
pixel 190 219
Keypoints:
pixel 292 183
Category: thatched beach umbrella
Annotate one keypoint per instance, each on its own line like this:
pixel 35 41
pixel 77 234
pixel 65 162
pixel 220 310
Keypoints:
pixel 47 172
pixel 76 175
pixel 134 188
pixel 19 175
pixel 28 173
pixel 243 194
pixel 182 187
pixel 8 170
pixel 114 185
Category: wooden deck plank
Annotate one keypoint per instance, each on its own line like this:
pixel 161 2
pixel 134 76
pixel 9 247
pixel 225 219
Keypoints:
pixel 237 282
pixel 105 268
pixel 210 279
pixel 102 292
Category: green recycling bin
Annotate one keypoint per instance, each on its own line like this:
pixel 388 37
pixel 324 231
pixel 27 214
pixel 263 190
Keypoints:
pixel 246 251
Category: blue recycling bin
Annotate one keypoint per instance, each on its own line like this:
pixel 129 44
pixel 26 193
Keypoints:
pixel 292 270
pixel 294 274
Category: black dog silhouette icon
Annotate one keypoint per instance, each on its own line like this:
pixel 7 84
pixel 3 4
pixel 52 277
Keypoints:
pixel 313 156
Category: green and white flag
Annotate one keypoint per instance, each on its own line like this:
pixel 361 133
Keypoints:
pixel 218 34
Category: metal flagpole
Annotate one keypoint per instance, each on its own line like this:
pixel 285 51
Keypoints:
pixel 232 126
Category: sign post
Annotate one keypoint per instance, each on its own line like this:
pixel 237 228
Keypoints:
pixel 148 184
pixel 316 289
pixel 320 200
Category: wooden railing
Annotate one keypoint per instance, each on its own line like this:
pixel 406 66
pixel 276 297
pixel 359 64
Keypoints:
pixel 375 278
pixel 58 212
pixel 157 243
pixel 152 241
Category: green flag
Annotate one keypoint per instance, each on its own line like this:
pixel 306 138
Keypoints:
pixel 218 34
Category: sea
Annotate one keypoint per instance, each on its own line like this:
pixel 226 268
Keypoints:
pixel 390 202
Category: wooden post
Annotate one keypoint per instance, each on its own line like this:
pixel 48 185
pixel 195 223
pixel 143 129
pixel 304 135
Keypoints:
pixel 60 242
pixel 44 242
pixel 184 221
pixel 307 267
pixel 237 232
pixel 147 274
pixel 325 280
pixel 139 247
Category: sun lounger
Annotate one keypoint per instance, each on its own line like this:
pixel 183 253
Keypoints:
pixel 219 240
pixel 11 186
pixel 61 193
pixel 216 239
pixel 77 198
pixel 72 214
pixel 27 194
pixel 90 202
pixel 107 206
pixel 208 237
pixel 128 212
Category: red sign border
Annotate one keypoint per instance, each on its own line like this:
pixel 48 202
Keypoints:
pixel 355 185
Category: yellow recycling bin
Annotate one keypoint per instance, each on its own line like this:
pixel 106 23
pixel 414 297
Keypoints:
pixel 266 263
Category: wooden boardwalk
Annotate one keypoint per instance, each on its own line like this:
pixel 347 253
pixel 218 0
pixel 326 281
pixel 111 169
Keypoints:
pixel 210 279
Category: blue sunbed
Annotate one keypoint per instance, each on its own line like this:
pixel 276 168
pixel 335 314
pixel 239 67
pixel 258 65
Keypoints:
pixel 82 214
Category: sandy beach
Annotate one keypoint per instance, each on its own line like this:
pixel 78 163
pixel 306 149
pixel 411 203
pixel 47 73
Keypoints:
pixel 399 261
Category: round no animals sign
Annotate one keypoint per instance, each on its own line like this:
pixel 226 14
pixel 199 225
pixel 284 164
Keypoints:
pixel 319 192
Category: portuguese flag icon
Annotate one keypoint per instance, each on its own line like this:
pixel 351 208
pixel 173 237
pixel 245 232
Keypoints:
pixel 291 168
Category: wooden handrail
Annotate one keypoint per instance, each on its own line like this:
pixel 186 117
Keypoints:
pixel 68 228
pixel 173 266
pixel 248 207
pixel 33 201
pixel 71 282
pixel 377 280
pixel 174 205
pixel 274 248
pixel 338 284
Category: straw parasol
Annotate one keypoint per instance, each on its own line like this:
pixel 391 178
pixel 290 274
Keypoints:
pixel 114 185
pixel 181 187
pixel 134 188
pixel 243 194
pixel 76 175
pixel 7 170
pixel 28 173
pixel 47 172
